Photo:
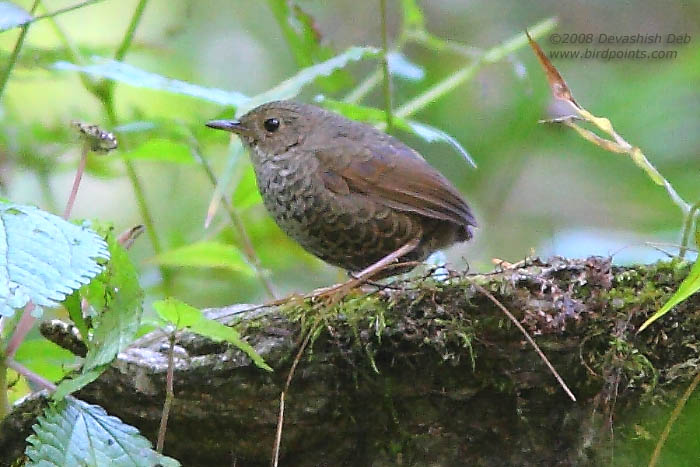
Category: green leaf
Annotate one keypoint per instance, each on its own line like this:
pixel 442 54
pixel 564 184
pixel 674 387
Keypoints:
pixel 72 433
pixel 432 134
pixel 402 67
pixel 412 15
pixel 378 117
pixel 12 16
pixel 161 150
pixel 77 382
pixel 45 358
pixel 304 41
pixel 289 88
pixel 128 74
pixel 43 258
pixel 688 287
pixel 184 316
pixel 119 309
pixel 205 255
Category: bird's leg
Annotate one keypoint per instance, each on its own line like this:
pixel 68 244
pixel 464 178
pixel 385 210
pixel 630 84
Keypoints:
pixel 336 292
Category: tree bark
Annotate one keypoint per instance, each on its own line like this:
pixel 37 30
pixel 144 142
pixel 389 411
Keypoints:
pixel 428 372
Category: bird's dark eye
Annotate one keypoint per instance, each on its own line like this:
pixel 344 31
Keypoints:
pixel 271 124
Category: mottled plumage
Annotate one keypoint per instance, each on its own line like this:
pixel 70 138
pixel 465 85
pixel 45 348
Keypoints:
pixel 345 191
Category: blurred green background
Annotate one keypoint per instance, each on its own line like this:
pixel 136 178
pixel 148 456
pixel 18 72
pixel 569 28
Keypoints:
pixel 538 188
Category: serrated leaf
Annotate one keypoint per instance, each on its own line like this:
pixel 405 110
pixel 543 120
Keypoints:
pixel 184 316
pixel 205 255
pixel 43 258
pixel 12 16
pixel 378 116
pixel 116 324
pixel 402 67
pixel 688 287
pixel 161 150
pixel 72 432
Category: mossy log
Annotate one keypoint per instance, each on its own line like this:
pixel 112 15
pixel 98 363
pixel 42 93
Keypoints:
pixel 429 372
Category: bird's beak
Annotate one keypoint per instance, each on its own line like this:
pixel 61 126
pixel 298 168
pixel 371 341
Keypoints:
pixel 234 126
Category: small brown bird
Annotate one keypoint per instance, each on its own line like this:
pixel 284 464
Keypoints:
pixel 345 191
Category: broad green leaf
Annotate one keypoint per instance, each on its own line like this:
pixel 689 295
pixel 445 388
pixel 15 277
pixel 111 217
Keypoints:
pixel 402 67
pixel 12 16
pixel 289 88
pixel 77 382
pixel 74 433
pixel 162 150
pixel 128 74
pixel 117 322
pixel 184 316
pixel 378 117
pixel 205 255
pixel 43 258
pixel 45 358
pixel 304 41
pixel 688 287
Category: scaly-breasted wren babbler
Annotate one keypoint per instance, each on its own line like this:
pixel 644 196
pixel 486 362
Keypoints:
pixel 347 192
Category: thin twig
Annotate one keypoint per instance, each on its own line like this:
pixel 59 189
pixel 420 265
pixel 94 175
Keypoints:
pixel 26 321
pixel 4 396
pixel 60 11
pixel 527 336
pixel 15 52
pixel 492 55
pixel 169 394
pixel 29 375
pixel 130 31
pixel 674 416
pixel 247 244
pixel 280 418
pixel 76 181
pixel 385 69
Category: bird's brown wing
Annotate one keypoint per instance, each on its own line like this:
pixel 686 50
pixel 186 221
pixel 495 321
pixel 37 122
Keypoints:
pixel 392 174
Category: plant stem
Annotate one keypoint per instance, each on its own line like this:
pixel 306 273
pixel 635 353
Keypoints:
pixel 76 181
pixel 248 248
pixel 687 228
pixel 385 69
pixel 4 398
pixel 4 78
pixel 492 55
pixel 60 11
pixel 129 35
pixel 672 419
pixel 365 87
pixel 29 375
pixel 23 327
pixel 169 395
